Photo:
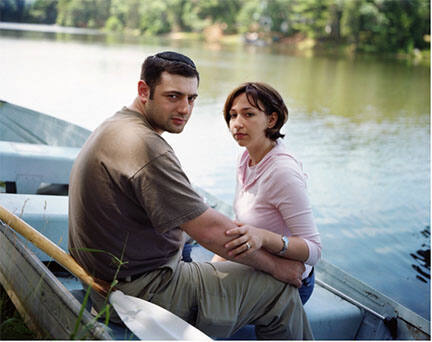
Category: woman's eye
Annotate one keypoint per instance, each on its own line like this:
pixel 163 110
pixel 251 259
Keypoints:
pixel 233 116
pixel 249 115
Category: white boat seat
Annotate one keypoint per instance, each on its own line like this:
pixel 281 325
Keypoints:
pixel 31 166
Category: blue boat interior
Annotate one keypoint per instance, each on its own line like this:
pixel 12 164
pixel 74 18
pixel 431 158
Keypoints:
pixel 330 316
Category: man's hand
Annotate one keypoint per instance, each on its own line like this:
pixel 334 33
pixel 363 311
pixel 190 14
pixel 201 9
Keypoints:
pixel 285 270
pixel 213 238
pixel 289 271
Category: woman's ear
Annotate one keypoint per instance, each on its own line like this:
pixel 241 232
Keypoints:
pixel 272 119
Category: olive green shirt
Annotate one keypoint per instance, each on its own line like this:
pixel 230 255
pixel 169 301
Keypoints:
pixel 128 195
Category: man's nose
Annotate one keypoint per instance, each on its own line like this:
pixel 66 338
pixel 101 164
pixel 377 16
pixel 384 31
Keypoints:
pixel 184 107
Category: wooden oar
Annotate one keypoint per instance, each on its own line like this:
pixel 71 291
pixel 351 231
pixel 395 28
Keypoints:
pixel 146 320
pixel 50 248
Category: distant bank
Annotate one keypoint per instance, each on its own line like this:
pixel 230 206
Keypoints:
pixel 48 28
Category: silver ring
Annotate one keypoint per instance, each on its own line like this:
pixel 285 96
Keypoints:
pixel 248 245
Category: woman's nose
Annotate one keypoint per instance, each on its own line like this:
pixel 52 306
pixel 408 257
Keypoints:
pixel 237 122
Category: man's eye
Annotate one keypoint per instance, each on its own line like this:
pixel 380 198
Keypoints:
pixel 192 99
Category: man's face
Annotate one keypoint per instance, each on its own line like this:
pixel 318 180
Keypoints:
pixel 172 103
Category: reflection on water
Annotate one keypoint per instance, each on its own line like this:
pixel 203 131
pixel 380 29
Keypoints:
pixel 359 125
pixel 422 258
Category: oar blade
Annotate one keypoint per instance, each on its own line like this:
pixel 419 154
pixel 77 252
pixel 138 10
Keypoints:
pixel 149 321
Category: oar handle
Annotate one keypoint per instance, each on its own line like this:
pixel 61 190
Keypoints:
pixel 50 248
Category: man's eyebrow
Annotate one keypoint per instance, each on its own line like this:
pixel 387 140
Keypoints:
pixel 176 92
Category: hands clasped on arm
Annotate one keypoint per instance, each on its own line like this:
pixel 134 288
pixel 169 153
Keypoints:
pixel 214 238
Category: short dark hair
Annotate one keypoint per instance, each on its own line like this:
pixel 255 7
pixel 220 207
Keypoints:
pixel 169 61
pixel 265 98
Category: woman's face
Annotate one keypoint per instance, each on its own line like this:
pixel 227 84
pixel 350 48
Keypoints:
pixel 248 123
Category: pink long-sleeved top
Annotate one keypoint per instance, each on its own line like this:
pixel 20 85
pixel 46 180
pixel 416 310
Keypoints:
pixel 272 195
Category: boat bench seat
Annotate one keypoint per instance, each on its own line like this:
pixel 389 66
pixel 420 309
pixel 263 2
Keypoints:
pixel 330 317
pixel 29 166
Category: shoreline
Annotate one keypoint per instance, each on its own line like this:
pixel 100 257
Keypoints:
pixel 213 35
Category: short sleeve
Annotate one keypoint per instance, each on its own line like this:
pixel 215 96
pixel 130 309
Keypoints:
pixel 165 193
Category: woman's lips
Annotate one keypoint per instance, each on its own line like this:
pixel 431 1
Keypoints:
pixel 239 136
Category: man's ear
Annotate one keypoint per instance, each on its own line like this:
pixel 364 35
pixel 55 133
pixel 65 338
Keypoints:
pixel 143 91
pixel 272 120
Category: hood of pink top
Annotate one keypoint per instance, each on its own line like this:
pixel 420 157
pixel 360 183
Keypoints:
pixel 275 152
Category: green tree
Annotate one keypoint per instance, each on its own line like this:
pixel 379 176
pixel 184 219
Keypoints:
pixel 43 11
pixel 368 25
pixel 175 14
pixel 361 23
pixel 153 17
pixel 312 17
pixel 386 25
pixel 248 16
pixel 287 17
pixel 83 13
pixel 267 16
pixel 12 10
pixel 405 26
pixel 118 15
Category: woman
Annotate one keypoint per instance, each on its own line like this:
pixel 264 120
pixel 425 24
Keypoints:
pixel 271 186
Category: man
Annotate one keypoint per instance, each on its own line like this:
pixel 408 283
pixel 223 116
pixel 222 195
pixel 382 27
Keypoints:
pixel 129 197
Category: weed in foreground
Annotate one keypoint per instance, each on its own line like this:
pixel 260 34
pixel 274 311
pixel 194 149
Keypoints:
pixel 105 311
pixel 12 326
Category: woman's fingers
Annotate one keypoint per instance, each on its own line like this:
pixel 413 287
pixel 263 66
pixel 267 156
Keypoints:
pixel 243 242
pixel 236 231
pixel 236 242
pixel 243 249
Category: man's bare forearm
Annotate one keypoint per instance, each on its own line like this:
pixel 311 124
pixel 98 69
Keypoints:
pixel 209 231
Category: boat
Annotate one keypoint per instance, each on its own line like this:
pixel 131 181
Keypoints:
pixel 36 154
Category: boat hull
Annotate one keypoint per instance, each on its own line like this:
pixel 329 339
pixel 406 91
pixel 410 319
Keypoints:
pixel 48 308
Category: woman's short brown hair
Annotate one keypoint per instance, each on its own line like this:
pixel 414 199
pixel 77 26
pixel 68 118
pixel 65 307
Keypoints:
pixel 265 98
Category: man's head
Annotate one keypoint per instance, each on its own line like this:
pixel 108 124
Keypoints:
pixel 167 91
pixel 172 62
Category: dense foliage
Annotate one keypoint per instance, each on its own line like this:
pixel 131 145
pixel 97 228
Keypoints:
pixel 368 25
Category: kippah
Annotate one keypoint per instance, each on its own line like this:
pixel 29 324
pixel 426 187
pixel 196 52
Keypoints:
pixel 176 57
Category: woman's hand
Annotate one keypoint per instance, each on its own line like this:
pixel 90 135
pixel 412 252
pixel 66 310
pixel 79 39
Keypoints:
pixel 247 240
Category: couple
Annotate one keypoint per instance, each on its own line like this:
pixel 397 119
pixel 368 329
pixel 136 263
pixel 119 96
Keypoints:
pixel 128 196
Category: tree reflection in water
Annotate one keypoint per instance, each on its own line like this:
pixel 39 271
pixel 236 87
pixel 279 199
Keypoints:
pixel 422 258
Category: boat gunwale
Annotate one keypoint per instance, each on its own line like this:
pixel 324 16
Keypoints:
pixel 331 275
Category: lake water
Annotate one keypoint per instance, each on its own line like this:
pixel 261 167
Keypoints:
pixel 361 127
